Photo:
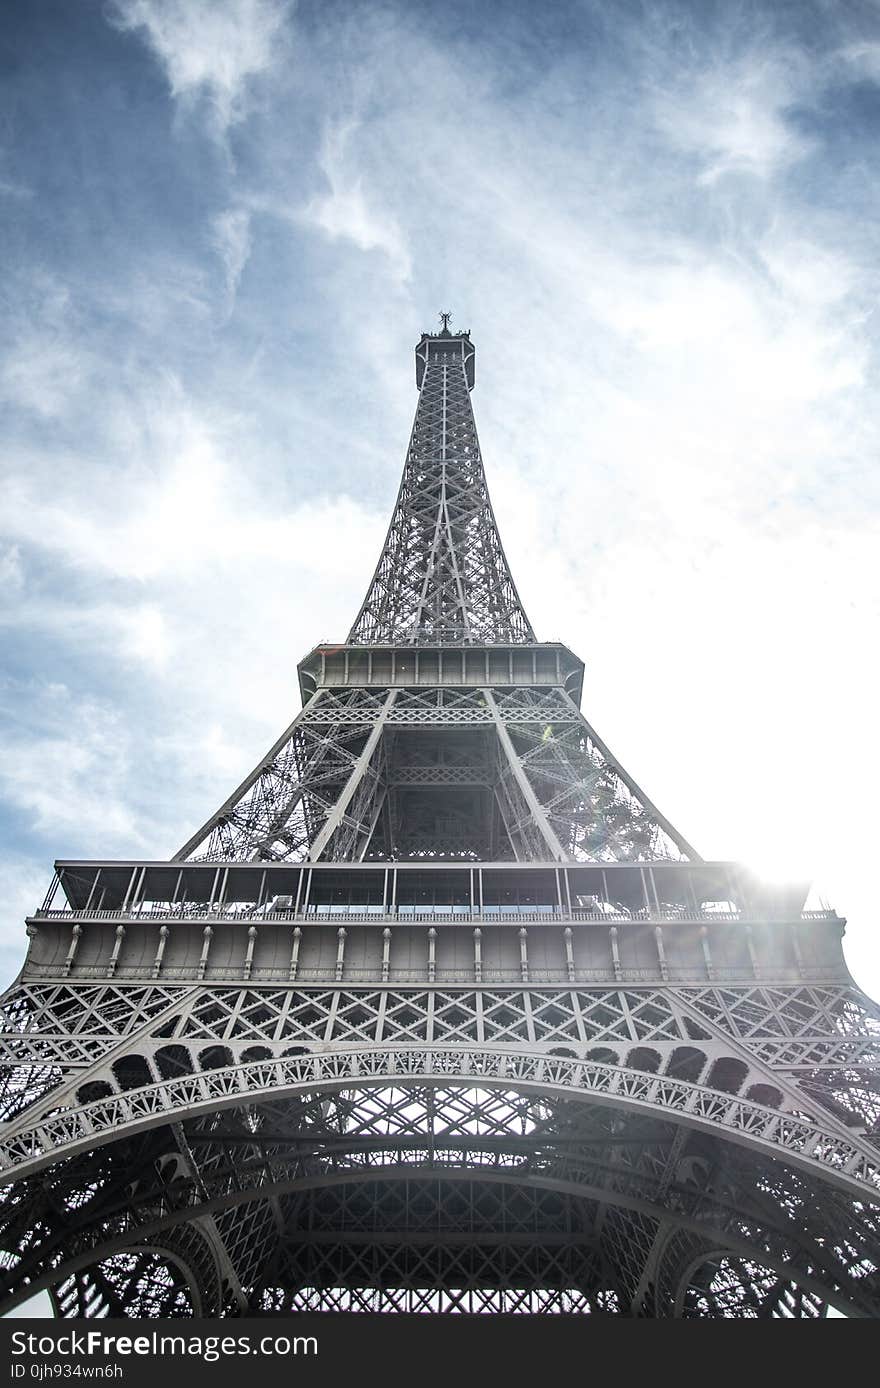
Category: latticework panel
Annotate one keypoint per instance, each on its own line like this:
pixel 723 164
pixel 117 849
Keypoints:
pixel 781 1046
pixel 416 1195
pixel 442 577
pixel 178 1279
pixel 738 1288
pixel 827 1038
pixel 329 789
pixel 591 805
pixel 451 1300
pixel 140 1283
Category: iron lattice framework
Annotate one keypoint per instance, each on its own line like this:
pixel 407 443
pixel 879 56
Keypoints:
pixel 442 578
pixel 438 1013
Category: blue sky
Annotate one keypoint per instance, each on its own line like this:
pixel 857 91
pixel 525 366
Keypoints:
pixel 224 226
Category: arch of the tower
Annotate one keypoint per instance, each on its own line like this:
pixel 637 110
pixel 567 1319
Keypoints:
pixel 175 1277
pixel 407 1240
pixel 438 1180
pixel 141 1099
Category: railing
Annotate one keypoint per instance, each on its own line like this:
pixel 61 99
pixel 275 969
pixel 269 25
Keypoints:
pixel 404 916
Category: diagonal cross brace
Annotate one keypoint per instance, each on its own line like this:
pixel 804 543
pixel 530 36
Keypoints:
pixel 539 818
pixel 337 814
pixel 230 803
pixel 631 785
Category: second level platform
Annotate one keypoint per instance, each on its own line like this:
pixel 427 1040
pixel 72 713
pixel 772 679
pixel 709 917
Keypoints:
pixel 546 664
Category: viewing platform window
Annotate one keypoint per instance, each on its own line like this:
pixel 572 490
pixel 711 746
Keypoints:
pixel 616 892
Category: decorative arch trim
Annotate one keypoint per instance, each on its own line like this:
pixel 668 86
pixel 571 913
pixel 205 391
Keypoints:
pixel 804 1143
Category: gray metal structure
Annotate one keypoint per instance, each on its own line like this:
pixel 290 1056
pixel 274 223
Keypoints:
pixel 438 1012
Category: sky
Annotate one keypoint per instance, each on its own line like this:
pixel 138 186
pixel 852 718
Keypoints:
pixel 224 226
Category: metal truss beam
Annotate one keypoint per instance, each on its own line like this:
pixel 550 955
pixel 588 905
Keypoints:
pixel 358 773
pixel 766 1242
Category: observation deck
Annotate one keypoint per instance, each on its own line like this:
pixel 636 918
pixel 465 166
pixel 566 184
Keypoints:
pixel 429 924
pixel 544 664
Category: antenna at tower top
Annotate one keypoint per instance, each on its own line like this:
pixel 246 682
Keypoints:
pixel 445 320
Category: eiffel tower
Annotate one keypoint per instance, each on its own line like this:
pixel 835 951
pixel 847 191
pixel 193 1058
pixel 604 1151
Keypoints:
pixel 438 1013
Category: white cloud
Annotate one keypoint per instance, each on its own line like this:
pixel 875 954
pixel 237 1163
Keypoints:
pixel 814 276
pixel 144 635
pixel 22 889
pixel 192 509
pixel 863 58
pixel 231 236
pixel 161 294
pixel 349 213
pixel 19 191
pixel 734 117
pixel 45 365
pixel 41 375
pixel 741 348
pixel 184 571
pixel 214 50
pixel 66 765
pixel 11 570
pixel 138 631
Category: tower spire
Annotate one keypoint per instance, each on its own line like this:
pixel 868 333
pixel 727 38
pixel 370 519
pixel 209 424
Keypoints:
pixel 443 577
pixel 443 730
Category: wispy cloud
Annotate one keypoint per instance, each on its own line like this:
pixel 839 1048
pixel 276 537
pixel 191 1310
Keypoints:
pixel 209 51
pixel 735 118
pixel 863 58
pixel 231 236
pixel 22 887
pixel 41 375
pixel 349 211
pixel 11 572
pixel 44 363
pixel 18 191
pixel 66 762
pixel 179 572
